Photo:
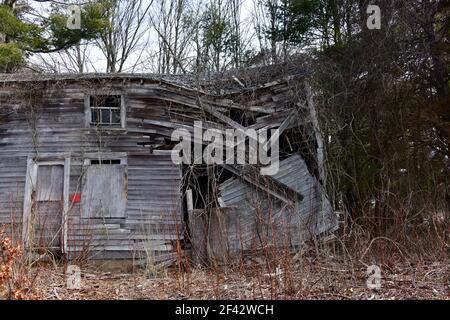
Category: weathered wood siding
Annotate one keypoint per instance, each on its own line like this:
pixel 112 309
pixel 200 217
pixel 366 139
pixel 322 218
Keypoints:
pixel 46 118
pixel 252 219
pixel 48 115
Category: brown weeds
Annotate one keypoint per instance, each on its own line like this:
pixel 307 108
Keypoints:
pixel 15 281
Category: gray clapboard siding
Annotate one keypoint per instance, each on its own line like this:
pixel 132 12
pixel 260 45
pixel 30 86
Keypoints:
pixel 46 114
pixel 56 125
pixel 264 220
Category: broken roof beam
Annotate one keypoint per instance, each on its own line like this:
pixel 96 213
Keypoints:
pixel 267 85
pixel 284 125
pixel 238 81
pixel 267 184
pixel 239 172
pixel 227 120
pixel 252 108
pixel 275 188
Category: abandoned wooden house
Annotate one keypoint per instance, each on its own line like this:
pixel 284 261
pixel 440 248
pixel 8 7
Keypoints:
pixel 86 167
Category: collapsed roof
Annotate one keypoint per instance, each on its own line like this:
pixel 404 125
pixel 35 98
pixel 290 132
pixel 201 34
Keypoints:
pixel 259 98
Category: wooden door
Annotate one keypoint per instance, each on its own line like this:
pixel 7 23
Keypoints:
pixel 48 207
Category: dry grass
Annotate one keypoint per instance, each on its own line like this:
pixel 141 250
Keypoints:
pixel 16 277
pixel 414 265
pixel 309 277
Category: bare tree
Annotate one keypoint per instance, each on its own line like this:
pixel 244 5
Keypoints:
pixel 127 20
pixel 235 18
pixel 173 22
pixel 265 19
pixel 72 60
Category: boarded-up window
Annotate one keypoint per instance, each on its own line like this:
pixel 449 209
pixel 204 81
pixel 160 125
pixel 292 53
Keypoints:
pixel 104 191
pixel 49 184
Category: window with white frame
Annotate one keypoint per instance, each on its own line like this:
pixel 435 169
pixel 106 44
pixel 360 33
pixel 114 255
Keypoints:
pixel 106 111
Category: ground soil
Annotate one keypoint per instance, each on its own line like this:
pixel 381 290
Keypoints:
pixel 304 280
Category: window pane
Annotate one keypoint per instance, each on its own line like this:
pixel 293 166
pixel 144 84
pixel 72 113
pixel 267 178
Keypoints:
pixel 106 116
pixel 115 116
pixel 105 161
pixel 95 115
pixel 93 101
pixel 112 101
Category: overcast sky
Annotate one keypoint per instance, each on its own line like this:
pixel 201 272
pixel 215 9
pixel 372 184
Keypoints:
pixel 148 43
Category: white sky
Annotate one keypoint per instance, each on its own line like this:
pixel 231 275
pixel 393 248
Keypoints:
pixel 97 62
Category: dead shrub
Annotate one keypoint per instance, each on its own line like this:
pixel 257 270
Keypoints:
pixel 15 280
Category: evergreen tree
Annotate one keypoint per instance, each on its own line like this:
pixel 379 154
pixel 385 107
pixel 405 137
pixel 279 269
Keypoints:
pixel 24 31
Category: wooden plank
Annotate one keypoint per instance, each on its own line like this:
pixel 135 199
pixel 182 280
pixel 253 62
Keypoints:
pixel 284 125
pixel 104 191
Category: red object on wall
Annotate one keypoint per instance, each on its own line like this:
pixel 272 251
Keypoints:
pixel 75 198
